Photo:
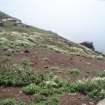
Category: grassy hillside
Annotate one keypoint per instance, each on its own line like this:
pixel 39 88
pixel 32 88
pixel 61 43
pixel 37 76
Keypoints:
pixel 23 36
pixel 38 67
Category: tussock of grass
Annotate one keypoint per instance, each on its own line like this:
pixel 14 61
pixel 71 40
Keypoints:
pixel 75 72
pixel 32 89
pixel 94 88
pixel 102 74
pixel 11 102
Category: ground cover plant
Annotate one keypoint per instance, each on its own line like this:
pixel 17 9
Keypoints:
pixel 11 102
pixel 18 74
pixel 35 63
pixel 94 88
pixel 47 87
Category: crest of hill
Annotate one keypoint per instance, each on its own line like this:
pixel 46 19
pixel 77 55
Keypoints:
pixel 3 15
pixel 16 35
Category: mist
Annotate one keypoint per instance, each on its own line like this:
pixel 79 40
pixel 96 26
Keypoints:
pixel 76 20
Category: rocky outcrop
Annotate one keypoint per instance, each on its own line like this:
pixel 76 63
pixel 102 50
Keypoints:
pixel 1 24
pixel 8 20
pixel 88 45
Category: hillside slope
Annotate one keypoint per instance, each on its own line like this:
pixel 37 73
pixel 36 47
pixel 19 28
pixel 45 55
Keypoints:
pixel 38 66
pixel 16 35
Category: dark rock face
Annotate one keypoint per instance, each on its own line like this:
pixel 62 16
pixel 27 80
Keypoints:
pixel 88 45
pixel 1 24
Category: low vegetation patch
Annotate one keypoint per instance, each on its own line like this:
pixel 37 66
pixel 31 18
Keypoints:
pixel 18 74
pixel 75 72
pixel 102 74
pixel 22 38
pixel 32 89
pixel 48 87
pixel 48 91
pixel 94 88
pixel 11 102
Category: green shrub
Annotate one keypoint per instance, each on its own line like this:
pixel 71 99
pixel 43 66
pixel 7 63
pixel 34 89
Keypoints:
pixel 8 102
pixel 15 75
pixel 47 92
pixel 41 103
pixel 46 89
pixel 31 89
pixel 75 72
pixel 40 98
pixel 95 87
pixel 50 84
pixel 102 74
pixel 18 74
pixel 54 100
pixel 11 102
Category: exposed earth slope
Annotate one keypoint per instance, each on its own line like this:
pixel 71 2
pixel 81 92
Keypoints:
pixel 29 55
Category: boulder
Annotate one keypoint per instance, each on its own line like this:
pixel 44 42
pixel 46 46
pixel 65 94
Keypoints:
pixel 1 24
pixel 88 45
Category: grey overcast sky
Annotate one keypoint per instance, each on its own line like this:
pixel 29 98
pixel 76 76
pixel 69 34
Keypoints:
pixel 77 20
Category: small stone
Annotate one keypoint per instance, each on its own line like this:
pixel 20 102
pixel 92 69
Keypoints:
pixel 72 94
pixel 79 97
pixel 20 92
pixel 91 103
pixel 84 104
